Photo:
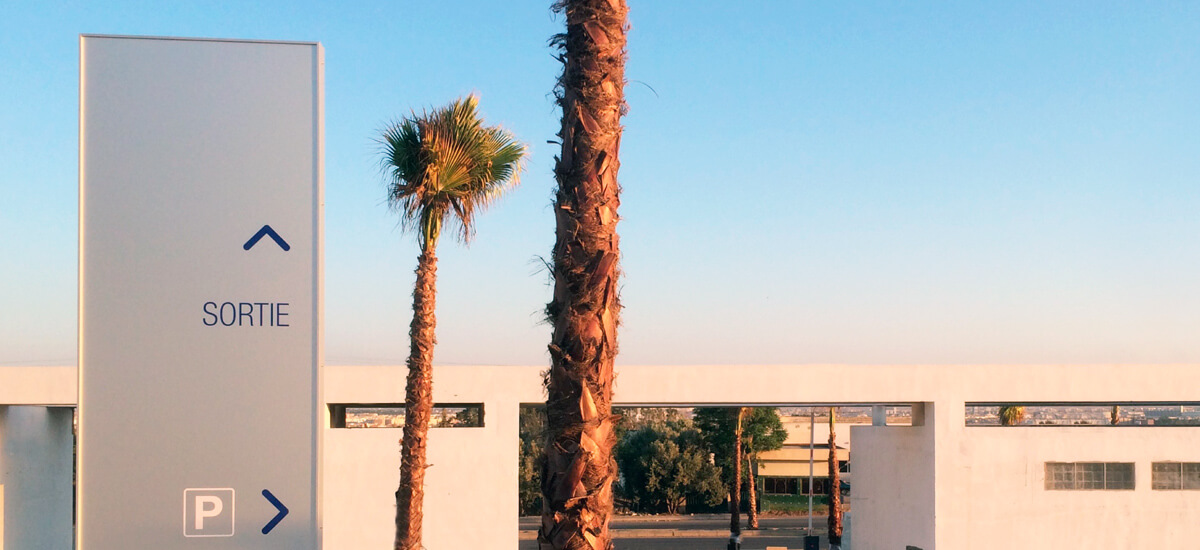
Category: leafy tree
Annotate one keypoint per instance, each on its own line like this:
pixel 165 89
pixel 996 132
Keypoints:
pixel 532 431
pixel 664 467
pixel 585 310
pixel 762 430
pixel 442 166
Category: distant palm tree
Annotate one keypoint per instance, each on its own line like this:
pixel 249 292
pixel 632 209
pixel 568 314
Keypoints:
pixel 735 491
pixel 442 166
pixel 1011 415
pixel 1114 417
pixel 835 488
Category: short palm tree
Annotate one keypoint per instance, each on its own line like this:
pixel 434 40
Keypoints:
pixel 1011 415
pixel 442 166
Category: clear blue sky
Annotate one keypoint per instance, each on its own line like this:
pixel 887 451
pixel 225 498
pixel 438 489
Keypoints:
pixel 889 182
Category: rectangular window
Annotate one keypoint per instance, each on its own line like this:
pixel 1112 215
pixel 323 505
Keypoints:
pixel 1060 476
pixel 1089 476
pixel 779 485
pixel 1175 476
pixel 391 415
pixel 1118 476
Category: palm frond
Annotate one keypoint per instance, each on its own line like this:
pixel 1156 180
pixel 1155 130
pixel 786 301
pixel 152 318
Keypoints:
pixel 444 166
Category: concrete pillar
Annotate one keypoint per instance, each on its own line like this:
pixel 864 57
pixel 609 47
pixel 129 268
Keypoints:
pixel 946 421
pixel 36 470
pixel 879 415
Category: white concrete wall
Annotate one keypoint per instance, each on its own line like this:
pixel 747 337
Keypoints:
pixel 937 483
pixel 1007 506
pixel 36 457
pixel 892 497
pixel 468 503
pixel 471 485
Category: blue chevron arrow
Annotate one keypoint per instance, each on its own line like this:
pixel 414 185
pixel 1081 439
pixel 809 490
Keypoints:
pixel 283 511
pixel 266 230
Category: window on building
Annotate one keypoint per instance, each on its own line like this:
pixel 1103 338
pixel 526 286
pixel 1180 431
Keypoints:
pixel 820 486
pixel 780 486
pixel 1085 476
pixel 391 415
pixel 1175 476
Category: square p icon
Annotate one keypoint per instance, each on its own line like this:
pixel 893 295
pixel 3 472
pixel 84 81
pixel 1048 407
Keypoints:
pixel 208 512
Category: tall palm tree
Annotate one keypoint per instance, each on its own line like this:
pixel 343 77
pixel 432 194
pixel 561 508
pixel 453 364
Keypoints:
pixel 835 487
pixel 579 467
pixel 735 489
pixel 442 166
pixel 1011 415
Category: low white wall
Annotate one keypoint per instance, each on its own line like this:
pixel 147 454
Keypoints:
pixel 471 485
pixel 1007 505
pixel 468 503
pixel 892 496
pixel 36 452
pixel 936 483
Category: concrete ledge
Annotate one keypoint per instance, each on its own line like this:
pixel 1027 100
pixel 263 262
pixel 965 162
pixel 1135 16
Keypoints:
pixel 47 386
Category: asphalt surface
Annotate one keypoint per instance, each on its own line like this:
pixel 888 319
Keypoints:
pixel 686 543
pixel 695 532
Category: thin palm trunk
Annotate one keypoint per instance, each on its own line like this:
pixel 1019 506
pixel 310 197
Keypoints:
pixel 735 492
pixel 751 489
pixel 835 488
pixel 418 405
pixel 1114 416
pixel 579 467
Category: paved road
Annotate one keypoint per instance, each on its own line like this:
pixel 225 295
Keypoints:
pixel 704 521
pixel 685 543
pixel 702 532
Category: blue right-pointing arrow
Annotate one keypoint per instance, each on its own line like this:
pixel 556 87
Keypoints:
pixel 268 232
pixel 283 511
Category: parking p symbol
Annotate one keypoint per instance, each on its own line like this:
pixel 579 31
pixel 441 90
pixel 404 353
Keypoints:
pixel 208 512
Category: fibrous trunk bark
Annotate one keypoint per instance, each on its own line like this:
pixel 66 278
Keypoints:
pixel 835 489
pixel 579 469
pixel 751 490
pixel 418 405
pixel 735 491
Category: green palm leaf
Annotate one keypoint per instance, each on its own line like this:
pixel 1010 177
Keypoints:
pixel 444 166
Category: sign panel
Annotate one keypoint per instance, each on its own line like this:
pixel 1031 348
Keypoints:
pixel 201 177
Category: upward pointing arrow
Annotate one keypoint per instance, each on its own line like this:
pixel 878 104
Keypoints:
pixel 266 230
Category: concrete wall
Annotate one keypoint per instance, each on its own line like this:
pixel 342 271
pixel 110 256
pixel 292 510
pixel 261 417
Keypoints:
pixel 936 484
pixel 36 494
pixel 893 493
pixel 471 485
pixel 1007 505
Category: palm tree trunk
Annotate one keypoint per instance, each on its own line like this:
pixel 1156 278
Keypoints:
pixel 418 405
pixel 579 467
pixel 835 488
pixel 751 490
pixel 735 492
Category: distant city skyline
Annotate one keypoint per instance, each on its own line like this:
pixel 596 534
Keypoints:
pixel 803 182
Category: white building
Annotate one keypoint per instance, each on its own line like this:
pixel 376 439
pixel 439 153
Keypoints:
pixel 935 484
